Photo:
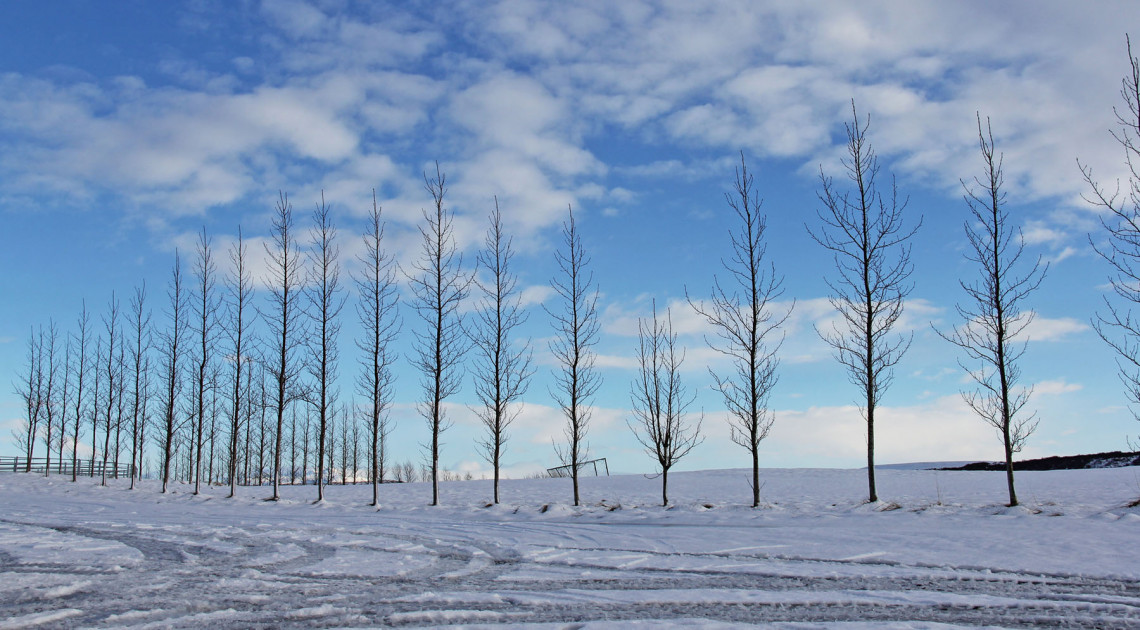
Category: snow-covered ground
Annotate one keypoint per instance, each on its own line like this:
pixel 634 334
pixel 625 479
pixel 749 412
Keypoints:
pixel 941 550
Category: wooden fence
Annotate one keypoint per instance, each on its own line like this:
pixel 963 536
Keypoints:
pixel 83 468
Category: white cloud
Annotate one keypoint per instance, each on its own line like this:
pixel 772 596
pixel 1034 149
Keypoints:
pixel 942 429
pixel 1055 388
pixel 1046 329
pixel 774 79
pixel 1037 232
pixel 535 294
pixel 297 18
pixel 615 362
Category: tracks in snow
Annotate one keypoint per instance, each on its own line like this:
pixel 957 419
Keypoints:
pixel 415 572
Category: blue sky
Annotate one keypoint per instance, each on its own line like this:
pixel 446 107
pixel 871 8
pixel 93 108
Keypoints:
pixel 126 127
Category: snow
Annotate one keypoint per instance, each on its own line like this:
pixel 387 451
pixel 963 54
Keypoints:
pixel 940 550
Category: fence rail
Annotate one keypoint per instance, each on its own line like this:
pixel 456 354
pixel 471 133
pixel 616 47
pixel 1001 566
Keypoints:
pixel 584 468
pixel 83 468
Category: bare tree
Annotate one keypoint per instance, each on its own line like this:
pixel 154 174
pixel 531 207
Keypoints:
pixel 355 444
pixel 112 375
pixel 120 402
pixel 260 409
pixel 80 372
pixel 30 390
pixel 144 415
pixel 864 231
pixel 742 311
pixel 240 291
pixel 172 350
pixel 439 285
pixel 213 432
pixel 660 400
pixel 205 322
pixel 50 405
pixel 65 396
pixel 1117 325
pixel 380 324
pixel 503 366
pixel 330 443
pixel 95 402
pixel 326 300
pixel 293 447
pixel 140 321
pixel 305 450
pixel 249 406
pixel 992 313
pixel 576 332
pixel 283 321
pixel 346 419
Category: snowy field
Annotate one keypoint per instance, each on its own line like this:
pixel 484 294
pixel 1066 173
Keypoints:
pixel 942 551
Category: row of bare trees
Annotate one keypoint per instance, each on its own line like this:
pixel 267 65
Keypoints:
pixel 209 328
pixel 129 379
pixel 207 361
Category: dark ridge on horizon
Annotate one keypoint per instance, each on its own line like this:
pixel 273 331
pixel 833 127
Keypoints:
pixel 1113 459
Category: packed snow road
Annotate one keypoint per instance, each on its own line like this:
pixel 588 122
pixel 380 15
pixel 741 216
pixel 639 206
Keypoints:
pixel 84 556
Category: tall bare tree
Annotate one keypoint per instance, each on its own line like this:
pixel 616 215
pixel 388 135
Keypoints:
pixel 30 389
pixel 93 419
pixel 305 448
pixel 864 231
pixel 144 415
pixel 346 425
pixel 329 471
pixel 283 320
pixel 51 406
pixel 503 364
pixel 993 319
pixel 250 402
pixel 439 284
pixel 140 322
pixel 81 368
pixel 661 401
pixel 293 447
pixel 214 431
pixel 326 300
pixel 355 451
pixel 205 323
pixel 260 410
pixel 1117 325
pixel 576 332
pixel 65 396
pixel 120 402
pixel 240 292
pixel 172 349
pixel 379 321
pixel 112 374
pixel 746 321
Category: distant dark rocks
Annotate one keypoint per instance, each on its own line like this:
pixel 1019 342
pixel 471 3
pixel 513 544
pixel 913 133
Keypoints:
pixel 1115 459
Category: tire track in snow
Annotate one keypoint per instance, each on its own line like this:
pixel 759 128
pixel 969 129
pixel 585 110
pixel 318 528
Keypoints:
pixel 470 575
